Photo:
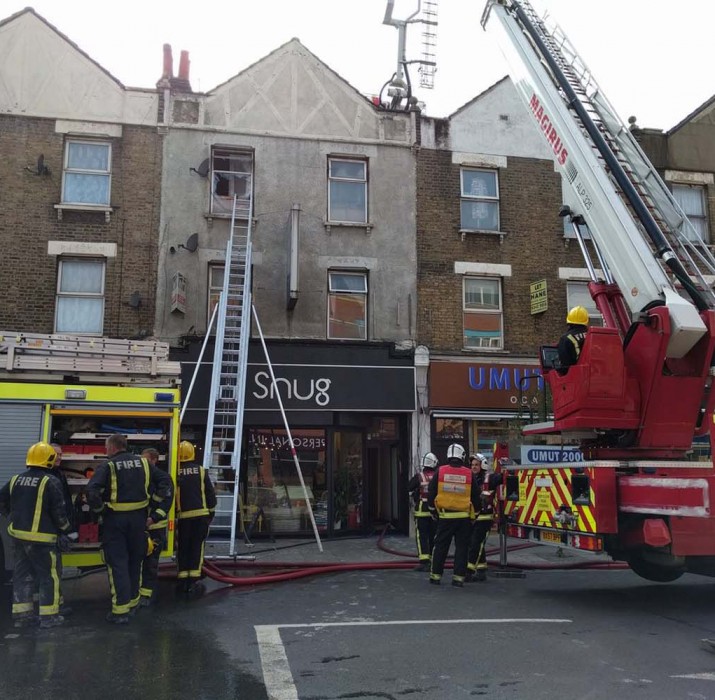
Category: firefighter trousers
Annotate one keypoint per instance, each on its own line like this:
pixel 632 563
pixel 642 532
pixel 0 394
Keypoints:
pixel 448 528
pixel 150 565
pixel 425 528
pixel 35 570
pixel 123 549
pixel 192 533
pixel 477 556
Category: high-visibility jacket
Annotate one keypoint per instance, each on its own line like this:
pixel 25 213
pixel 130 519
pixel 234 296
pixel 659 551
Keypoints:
pixel 451 492
pixel 487 484
pixel 36 506
pixel 127 482
pixel 196 495
pixel 418 487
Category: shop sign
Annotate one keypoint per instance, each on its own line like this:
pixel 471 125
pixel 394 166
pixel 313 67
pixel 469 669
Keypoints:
pixel 550 454
pixel 331 388
pixel 490 386
pixel 539 297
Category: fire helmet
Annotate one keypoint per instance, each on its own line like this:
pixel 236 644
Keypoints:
pixel 186 451
pixel 578 316
pixel 456 451
pixel 480 458
pixel 41 454
pixel 429 461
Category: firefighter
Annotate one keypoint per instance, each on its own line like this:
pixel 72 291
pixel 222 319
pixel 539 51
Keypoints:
pixel 65 610
pixel 572 341
pixel 38 521
pixel 130 494
pixel 156 540
pixel 425 526
pixel 487 483
pixel 452 496
pixel 195 505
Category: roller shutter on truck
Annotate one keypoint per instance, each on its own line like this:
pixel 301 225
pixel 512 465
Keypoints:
pixel 20 427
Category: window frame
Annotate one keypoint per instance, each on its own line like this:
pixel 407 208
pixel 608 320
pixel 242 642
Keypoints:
pixel 592 315
pixel 364 180
pixel 479 198
pixel 213 265
pixel 59 294
pixel 499 311
pixel 364 294
pixel 85 171
pixel 705 217
pixel 228 151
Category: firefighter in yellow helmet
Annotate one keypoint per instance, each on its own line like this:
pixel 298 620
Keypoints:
pixel 38 523
pixel 195 506
pixel 572 341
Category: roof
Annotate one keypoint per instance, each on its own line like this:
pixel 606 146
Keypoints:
pixel 697 111
pixel 478 97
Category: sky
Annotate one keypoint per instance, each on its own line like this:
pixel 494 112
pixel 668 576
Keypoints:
pixel 651 59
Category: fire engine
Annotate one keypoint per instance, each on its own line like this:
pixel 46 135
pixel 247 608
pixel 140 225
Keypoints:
pixel 76 391
pixel 640 393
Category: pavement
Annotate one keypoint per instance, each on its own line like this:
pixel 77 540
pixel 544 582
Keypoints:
pixel 372 548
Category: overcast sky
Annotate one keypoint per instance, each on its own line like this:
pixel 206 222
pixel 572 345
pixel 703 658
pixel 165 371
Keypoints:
pixel 652 59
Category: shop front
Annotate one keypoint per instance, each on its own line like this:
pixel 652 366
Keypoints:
pixel 348 409
pixel 480 403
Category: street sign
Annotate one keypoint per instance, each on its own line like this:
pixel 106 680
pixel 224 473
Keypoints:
pixel 539 297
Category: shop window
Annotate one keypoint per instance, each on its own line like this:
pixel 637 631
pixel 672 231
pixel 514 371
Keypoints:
pixel 347 305
pixel 693 201
pixel 347 191
pixel 79 305
pixel 577 294
pixel 479 204
pixel 275 499
pixel 482 313
pixel 231 175
pixel 86 178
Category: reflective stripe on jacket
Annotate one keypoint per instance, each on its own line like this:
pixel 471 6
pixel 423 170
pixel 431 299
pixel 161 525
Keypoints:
pixel 196 496
pixel 454 489
pixel 37 507
pixel 121 484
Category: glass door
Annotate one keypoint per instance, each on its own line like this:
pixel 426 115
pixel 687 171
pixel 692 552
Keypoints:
pixel 347 481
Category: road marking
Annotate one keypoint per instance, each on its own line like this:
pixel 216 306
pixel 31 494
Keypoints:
pixel 697 676
pixel 278 678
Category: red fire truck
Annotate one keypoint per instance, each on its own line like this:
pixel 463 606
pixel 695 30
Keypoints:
pixel 640 393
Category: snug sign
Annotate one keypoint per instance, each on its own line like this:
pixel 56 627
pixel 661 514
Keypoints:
pixel 539 297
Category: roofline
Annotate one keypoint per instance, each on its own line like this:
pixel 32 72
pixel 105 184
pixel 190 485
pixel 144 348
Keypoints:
pixel 477 97
pixel 30 10
pixel 691 116
pixel 303 46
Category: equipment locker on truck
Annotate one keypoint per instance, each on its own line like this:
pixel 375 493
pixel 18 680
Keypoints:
pixel 640 393
pixel 75 391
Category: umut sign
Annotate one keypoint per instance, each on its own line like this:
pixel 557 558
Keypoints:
pixel 475 386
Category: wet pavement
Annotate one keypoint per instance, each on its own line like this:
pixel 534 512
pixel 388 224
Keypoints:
pixel 577 634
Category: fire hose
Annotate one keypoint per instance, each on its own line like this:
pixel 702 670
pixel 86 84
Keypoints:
pixel 224 572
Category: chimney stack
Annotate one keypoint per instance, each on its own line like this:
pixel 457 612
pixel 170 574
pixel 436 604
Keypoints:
pixel 181 82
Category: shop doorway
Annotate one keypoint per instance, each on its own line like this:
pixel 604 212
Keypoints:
pixel 347 481
pixel 383 489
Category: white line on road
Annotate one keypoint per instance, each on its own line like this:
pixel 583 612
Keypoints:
pixel 697 676
pixel 274 662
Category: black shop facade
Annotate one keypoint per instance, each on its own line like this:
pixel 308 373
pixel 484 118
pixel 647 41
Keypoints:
pixel 348 408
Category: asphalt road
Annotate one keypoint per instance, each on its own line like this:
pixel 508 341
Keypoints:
pixel 381 634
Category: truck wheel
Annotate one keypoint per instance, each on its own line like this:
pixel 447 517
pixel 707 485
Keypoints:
pixel 654 572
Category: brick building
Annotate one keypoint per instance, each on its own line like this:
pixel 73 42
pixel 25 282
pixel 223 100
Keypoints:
pixel 80 179
pixel 488 229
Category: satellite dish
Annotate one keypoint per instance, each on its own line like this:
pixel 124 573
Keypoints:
pixel 203 169
pixel 192 243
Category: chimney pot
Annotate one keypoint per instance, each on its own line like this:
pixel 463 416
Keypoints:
pixel 168 71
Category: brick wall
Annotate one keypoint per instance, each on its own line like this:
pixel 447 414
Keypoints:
pixel 530 198
pixel 28 221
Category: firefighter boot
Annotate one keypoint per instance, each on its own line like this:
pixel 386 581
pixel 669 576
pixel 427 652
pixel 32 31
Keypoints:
pixel 25 620
pixel 49 621
pixel 117 619
pixel 195 591
pixel 424 565
pixel 481 575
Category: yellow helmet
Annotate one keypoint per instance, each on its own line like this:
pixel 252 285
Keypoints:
pixel 578 316
pixel 186 451
pixel 41 454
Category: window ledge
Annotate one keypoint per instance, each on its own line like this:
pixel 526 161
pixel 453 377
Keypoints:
pixel 107 210
pixel 485 232
pixel 490 351
pixel 227 217
pixel 347 224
